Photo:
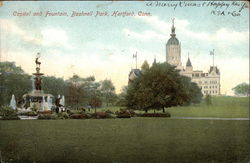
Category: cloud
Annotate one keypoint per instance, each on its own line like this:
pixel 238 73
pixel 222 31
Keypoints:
pixel 55 37
pixel 9 27
pixel 50 37
pixel 222 34
pixel 163 26
pixel 161 29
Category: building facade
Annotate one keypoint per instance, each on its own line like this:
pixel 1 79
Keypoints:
pixel 209 82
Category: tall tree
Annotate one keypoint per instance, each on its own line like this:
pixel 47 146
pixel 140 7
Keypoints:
pixel 75 91
pixel 145 66
pixel 121 97
pixel 54 86
pixel 108 92
pixel 158 87
pixel 241 89
pixel 13 80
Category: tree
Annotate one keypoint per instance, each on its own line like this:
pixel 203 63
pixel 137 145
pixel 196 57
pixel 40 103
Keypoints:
pixel 54 86
pixel 241 89
pixel 13 80
pixel 158 87
pixel 208 100
pixel 75 91
pixel 108 91
pixel 10 67
pixel 121 98
pixel 145 66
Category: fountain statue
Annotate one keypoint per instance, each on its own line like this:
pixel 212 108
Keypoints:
pixel 62 101
pixel 13 102
pixel 37 99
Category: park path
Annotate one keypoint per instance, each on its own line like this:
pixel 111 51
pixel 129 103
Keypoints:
pixel 213 118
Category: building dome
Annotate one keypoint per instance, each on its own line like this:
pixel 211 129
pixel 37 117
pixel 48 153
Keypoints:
pixel 173 41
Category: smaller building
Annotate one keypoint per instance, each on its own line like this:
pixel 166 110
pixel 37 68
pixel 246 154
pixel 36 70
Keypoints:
pixel 208 82
pixel 134 73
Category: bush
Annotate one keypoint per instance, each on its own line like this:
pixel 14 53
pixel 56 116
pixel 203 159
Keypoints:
pixel 109 112
pixel 156 115
pixel 45 112
pixel 28 113
pixel 79 116
pixel 70 112
pixel 8 113
pixel 47 116
pixel 62 115
pixel 123 114
pixel 32 113
pixel 99 115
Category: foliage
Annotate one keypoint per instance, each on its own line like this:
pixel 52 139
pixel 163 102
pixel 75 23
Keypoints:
pixel 13 83
pixel 29 113
pixel 10 68
pixel 8 113
pixel 101 115
pixel 208 100
pixel 145 66
pixel 123 114
pixel 47 116
pixel 62 115
pixel 241 89
pixel 79 116
pixel 161 86
pixel 84 91
pixel 108 92
pixel 54 86
pixel 121 98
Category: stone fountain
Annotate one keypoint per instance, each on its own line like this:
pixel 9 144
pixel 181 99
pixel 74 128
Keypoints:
pixel 13 102
pixel 37 99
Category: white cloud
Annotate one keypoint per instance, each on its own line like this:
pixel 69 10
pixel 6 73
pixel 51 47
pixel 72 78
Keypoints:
pixel 9 27
pixel 55 37
pixel 46 37
pixel 162 29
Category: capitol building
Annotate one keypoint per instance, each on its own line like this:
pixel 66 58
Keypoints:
pixel 209 82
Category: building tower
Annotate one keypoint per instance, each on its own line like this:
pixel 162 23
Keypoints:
pixel 173 49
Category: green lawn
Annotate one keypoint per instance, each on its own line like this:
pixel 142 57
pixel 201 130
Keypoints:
pixel 223 107
pixel 139 140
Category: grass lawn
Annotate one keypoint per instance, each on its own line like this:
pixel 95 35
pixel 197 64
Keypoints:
pixel 139 140
pixel 223 107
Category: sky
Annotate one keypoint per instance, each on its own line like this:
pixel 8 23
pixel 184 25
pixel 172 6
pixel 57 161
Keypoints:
pixel 103 46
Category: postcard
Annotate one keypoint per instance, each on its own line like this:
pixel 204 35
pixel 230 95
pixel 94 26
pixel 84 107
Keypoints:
pixel 124 81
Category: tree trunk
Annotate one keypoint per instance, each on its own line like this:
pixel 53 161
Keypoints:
pixel 95 109
pixel 154 110
pixel 163 109
pixel 146 111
